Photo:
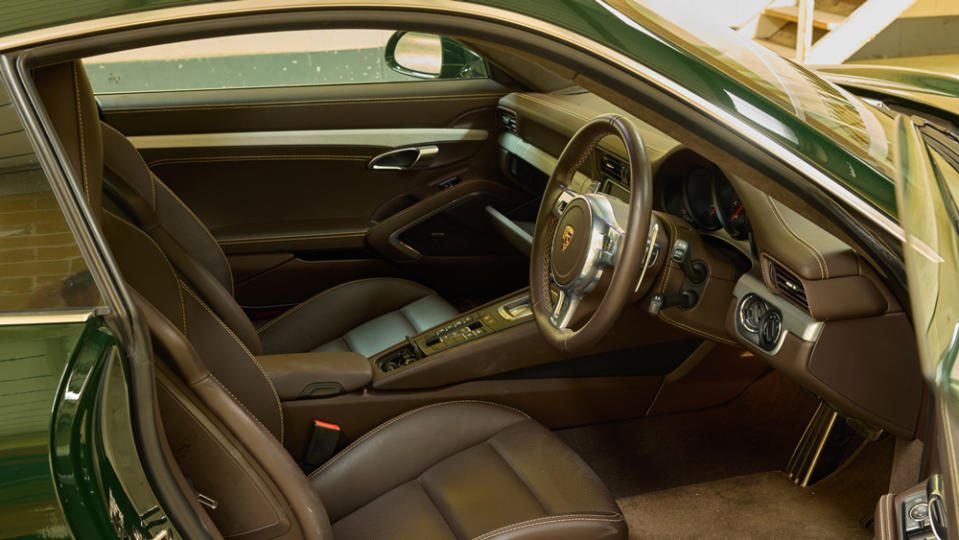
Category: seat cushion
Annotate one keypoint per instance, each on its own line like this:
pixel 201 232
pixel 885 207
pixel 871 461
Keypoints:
pixel 464 469
pixel 365 316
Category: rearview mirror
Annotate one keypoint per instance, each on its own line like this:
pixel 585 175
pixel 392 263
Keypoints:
pixel 428 56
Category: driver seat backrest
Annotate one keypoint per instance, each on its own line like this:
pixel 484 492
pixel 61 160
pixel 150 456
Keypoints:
pixel 210 368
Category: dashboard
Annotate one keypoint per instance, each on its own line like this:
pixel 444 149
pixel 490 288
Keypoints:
pixel 778 284
pixel 698 191
pixel 686 185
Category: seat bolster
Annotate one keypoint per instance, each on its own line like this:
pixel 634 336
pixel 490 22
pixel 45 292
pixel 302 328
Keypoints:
pixel 403 448
pixel 334 312
pixel 563 527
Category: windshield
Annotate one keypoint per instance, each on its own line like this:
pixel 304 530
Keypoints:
pixel 833 111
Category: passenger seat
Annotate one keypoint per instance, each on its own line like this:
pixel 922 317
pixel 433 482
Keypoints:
pixel 366 316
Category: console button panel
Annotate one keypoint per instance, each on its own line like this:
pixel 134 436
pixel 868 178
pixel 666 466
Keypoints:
pixel 474 325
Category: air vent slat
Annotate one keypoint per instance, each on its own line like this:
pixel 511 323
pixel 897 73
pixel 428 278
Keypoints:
pixel 508 119
pixel 614 169
pixel 788 285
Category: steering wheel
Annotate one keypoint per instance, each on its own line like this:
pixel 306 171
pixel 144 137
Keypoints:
pixel 579 236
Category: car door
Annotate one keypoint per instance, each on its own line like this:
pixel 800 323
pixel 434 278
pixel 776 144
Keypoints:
pixel 926 190
pixel 319 157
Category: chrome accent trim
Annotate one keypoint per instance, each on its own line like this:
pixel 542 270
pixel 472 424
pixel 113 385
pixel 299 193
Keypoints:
pixel 311 137
pixel 764 141
pixel 541 160
pixel 650 256
pixel 605 235
pixel 523 301
pixel 47 317
pixel 410 251
pixel 795 321
pixel 520 234
pixel 424 157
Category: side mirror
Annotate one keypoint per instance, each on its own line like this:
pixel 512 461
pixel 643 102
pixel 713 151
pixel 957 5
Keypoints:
pixel 428 56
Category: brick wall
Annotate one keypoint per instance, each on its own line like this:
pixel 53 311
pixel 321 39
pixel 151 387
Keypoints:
pixel 37 252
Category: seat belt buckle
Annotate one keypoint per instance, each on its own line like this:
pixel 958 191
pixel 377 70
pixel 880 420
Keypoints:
pixel 323 440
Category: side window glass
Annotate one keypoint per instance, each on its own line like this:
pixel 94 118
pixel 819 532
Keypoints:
pixel 40 263
pixel 292 58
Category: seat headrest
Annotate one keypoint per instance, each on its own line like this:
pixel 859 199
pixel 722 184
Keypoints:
pixel 68 98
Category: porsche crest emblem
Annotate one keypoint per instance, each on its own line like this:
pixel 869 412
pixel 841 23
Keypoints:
pixel 567 237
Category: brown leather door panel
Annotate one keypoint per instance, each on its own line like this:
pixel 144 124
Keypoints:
pixel 457 103
pixel 293 214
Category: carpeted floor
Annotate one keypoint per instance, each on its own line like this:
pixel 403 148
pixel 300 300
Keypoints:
pixel 755 432
pixel 766 505
pixel 714 473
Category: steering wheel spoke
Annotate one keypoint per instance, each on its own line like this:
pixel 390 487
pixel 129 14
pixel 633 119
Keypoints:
pixel 564 309
pixel 565 197
pixel 584 236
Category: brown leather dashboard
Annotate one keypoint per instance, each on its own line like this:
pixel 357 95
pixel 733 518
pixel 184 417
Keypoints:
pixel 841 333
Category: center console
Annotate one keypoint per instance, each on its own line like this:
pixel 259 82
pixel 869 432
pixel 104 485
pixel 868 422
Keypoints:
pixel 468 327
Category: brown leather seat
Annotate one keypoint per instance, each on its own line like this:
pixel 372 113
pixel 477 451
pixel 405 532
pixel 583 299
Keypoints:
pixel 464 470
pixel 448 470
pixel 365 316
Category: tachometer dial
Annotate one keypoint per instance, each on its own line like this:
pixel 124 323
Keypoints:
pixel 673 201
pixel 730 210
pixel 698 193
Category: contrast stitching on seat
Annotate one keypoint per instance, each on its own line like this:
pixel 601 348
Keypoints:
pixel 386 424
pixel 162 254
pixel 820 259
pixel 492 444
pixel 83 153
pixel 223 325
pixel 240 403
pixel 229 270
pixel 549 520
pixel 330 101
pixel 446 519
pixel 328 291
pixel 153 189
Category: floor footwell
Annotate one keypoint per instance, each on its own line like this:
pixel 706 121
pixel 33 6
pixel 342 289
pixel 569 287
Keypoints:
pixel 766 504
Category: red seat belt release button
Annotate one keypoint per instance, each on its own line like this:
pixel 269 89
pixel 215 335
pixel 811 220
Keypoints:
pixel 323 441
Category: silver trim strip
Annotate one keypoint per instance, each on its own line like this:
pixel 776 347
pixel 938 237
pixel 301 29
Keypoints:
pixel 46 317
pixel 517 231
pixel 311 137
pixel 541 160
pixel 795 321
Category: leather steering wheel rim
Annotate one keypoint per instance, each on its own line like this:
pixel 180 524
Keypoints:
pixel 628 259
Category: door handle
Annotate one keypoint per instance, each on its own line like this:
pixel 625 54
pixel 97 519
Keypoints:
pixel 403 159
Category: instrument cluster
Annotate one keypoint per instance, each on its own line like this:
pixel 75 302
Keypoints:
pixel 699 192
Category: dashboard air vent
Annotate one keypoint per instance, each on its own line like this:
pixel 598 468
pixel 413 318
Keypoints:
pixel 508 119
pixel 788 285
pixel 614 169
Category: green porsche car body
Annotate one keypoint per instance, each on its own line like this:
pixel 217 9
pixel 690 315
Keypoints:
pixel 71 462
